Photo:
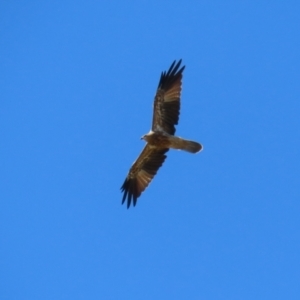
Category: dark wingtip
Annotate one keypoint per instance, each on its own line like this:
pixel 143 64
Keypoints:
pixel 129 194
pixel 170 76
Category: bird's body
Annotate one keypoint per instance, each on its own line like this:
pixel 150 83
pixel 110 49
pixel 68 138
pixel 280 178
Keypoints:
pixel 157 139
pixel 163 140
pixel 161 136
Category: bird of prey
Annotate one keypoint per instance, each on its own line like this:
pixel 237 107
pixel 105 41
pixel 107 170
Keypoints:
pixel 161 136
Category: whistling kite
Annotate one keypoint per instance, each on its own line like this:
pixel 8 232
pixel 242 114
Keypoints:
pixel 161 137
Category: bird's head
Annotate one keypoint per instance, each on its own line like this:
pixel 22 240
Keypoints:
pixel 146 136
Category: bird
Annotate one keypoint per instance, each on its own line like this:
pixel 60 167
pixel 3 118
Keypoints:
pixel 161 138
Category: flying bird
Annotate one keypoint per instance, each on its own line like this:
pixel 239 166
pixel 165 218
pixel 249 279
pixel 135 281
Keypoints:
pixel 161 137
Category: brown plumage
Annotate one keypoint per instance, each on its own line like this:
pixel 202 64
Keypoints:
pixel 161 137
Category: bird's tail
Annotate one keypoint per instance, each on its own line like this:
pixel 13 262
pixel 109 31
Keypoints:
pixel 186 145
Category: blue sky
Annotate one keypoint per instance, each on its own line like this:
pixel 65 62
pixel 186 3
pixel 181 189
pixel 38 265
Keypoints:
pixel 77 84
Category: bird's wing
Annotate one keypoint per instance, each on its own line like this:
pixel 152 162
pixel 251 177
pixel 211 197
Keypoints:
pixel 142 172
pixel 167 99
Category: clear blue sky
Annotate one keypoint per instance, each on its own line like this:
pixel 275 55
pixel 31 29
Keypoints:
pixel 77 84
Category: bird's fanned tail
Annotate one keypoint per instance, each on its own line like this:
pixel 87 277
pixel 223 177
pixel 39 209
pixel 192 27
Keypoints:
pixel 186 145
pixel 191 146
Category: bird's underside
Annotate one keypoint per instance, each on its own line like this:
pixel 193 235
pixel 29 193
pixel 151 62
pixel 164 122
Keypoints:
pixel 161 137
pixel 162 140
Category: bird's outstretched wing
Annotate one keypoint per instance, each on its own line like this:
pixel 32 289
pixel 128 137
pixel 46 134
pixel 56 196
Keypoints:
pixel 142 172
pixel 167 99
